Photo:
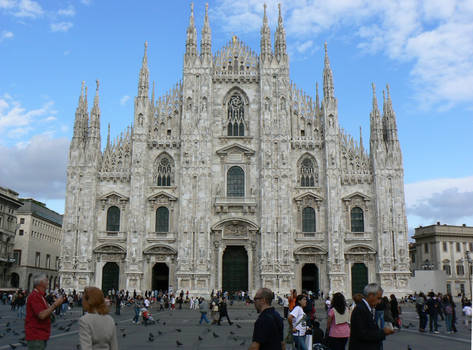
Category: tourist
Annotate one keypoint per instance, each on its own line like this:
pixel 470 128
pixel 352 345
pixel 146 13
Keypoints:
pixel 38 314
pixel 191 303
pixel 379 313
pixel 297 323
pixel 454 314
pixel 20 304
pixel 214 310
pixel 173 302
pixel 222 309
pixel 96 328
pixel 433 307
pixel 268 332
pixel 395 311
pixel 388 316
pixel 365 333
pixel 138 304
pixel 337 323
pixel 146 303
pixel 421 311
pixel 447 310
pixel 292 299
pixel 286 305
pixel 203 308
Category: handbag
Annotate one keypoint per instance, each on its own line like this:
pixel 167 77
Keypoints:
pixel 289 337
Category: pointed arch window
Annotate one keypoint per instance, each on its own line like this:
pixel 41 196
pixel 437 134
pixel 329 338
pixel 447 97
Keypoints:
pixel 164 171
pixel 308 220
pixel 162 219
pixel 236 116
pixel 357 220
pixel 113 219
pixel 307 173
pixel 235 182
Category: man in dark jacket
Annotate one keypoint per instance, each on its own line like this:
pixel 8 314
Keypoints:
pixel 365 333
pixel 222 309
pixel 433 307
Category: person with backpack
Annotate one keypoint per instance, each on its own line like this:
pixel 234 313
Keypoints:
pixel 421 311
pixel 447 309
pixel 433 307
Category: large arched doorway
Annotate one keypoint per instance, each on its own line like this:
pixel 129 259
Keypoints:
pixel 235 269
pixel 160 277
pixel 359 278
pixel 310 278
pixel 15 280
pixel 110 277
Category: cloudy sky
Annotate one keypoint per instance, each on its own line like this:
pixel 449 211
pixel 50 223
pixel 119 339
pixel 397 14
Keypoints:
pixel 423 49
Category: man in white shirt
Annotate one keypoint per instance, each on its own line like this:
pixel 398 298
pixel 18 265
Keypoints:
pixel 147 303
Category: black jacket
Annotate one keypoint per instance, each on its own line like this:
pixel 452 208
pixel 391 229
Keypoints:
pixel 364 332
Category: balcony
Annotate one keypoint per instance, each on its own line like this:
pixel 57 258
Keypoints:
pixel 358 236
pixel 246 204
pixel 310 236
pixel 111 236
pixel 155 237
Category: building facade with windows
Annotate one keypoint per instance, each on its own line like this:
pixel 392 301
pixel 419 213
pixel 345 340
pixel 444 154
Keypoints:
pixel 9 203
pixel 448 248
pixel 37 244
pixel 235 179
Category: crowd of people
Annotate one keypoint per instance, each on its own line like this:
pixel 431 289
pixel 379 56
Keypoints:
pixel 362 324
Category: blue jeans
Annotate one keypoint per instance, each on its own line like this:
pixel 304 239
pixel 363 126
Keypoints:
pixel 21 311
pixel 448 322
pixel 299 342
pixel 379 317
pixel 137 315
pixel 203 317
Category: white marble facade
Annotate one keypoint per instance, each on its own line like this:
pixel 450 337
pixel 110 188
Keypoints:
pixel 293 160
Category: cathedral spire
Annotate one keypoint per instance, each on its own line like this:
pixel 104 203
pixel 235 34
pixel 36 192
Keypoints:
pixel 191 37
pixel 206 40
pixel 389 118
pixel 280 42
pixel 85 117
pixel 361 142
pixel 328 78
pixel 108 137
pixel 78 120
pixel 376 128
pixel 152 95
pixel 94 130
pixel 265 43
pixel 317 99
pixel 143 84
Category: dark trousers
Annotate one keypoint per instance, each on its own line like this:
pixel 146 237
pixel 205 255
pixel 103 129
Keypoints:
pixel 286 311
pixel 433 320
pixel 422 320
pixel 337 343
pixel 224 315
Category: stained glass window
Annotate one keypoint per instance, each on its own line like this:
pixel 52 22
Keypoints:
pixel 162 219
pixel 113 219
pixel 308 220
pixel 357 220
pixel 235 182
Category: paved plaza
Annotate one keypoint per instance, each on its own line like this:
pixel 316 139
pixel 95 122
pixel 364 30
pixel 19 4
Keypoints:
pixel 182 325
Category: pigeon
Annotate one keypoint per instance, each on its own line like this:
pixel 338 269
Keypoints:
pixel 177 329
pixel 23 343
pixel 8 329
pixel 122 329
pixel 164 323
pixel 200 338
pixel 238 326
pixel 124 335
pixel 12 346
pixel 208 330
pixel 67 329
pixel 409 347
pixel 150 338
pixel 61 328
pixel 160 333
pixel 178 343
pixel 215 335
pixel 8 324
pixel 231 333
pixel 243 343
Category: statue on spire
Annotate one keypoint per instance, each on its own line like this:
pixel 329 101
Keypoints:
pixel 280 42
pixel 206 40
pixel 191 36
pixel 265 43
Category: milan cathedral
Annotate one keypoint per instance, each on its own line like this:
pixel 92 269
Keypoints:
pixel 235 179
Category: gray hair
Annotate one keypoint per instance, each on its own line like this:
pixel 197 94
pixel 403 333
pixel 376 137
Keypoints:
pixel 38 278
pixel 372 288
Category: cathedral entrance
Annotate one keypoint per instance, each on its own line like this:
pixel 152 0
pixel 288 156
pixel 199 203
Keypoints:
pixel 160 277
pixel 359 277
pixel 235 269
pixel 310 278
pixel 110 277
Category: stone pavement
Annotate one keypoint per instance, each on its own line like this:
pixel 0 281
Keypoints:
pixel 182 326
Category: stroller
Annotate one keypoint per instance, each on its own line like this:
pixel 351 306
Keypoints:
pixel 147 318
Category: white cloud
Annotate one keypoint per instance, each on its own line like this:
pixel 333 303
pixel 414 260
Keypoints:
pixel 36 168
pixel 447 200
pixel 86 2
pixel 303 47
pixel 61 26
pixel 5 35
pixel 16 120
pixel 7 4
pixel 435 36
pixel 28 8
pixel 67 12
pixel 124 100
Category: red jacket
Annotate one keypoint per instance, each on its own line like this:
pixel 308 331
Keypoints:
pixel 35 328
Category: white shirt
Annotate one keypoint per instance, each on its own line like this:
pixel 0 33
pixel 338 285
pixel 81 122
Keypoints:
pixel 285 302
pixel 368 306
pixel 297 313
pixel 147 303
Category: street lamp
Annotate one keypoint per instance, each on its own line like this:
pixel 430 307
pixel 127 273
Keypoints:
pixel 427 265
pixel 469 261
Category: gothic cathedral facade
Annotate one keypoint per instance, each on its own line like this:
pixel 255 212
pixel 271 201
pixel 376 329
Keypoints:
pixel 235 179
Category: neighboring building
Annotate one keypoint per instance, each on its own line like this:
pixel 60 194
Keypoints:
pixel 448 248
pixel 234 180
pixel 9 203
pixel 37 244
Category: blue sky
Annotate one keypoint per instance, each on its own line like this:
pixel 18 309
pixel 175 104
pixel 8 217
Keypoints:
pixel 423 49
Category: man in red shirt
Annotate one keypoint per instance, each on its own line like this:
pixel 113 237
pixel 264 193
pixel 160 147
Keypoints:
pixel 38 313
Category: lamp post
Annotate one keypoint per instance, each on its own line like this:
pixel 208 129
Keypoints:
pixel 468 260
